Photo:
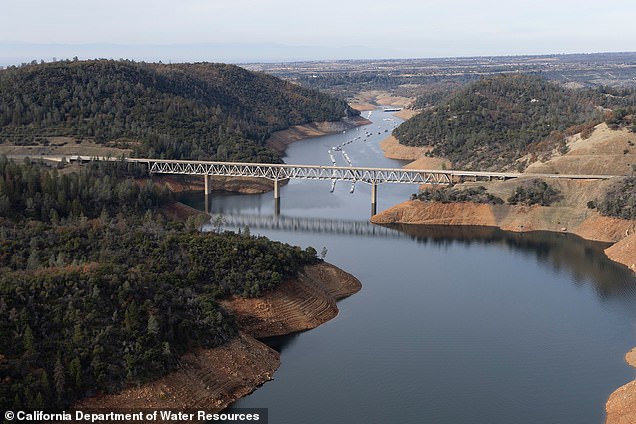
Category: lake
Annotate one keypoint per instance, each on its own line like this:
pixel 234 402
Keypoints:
pixel 453 324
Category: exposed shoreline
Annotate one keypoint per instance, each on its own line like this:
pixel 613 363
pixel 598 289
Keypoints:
pixel 246 363
pixel 621 405
pixel 571 216
pixel 212 379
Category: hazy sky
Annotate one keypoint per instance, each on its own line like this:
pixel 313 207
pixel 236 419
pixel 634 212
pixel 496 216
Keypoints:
pixel 325 28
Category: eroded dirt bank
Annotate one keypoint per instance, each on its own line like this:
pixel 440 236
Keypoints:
pixel 297 305
pixel 211 379
pixel 621 406
pixel 207 379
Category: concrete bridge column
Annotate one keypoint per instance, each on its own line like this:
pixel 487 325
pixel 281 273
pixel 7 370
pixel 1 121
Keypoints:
pixel 206 181
pixel 276 198
pixel 374 198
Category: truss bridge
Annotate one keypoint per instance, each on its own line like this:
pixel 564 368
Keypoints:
pixel 366 175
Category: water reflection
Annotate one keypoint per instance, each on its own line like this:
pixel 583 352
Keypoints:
pixel 280 343
pixel 583 259
pixel 304 225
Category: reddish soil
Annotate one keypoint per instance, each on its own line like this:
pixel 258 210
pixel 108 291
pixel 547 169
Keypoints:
pixel 297 305
pixel 207 379
pixel 621 406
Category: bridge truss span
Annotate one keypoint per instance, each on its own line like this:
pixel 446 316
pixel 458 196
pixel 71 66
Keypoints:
pixel 316 172
pixel 280 172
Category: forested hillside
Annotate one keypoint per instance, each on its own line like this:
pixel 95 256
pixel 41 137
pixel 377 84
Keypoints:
pixel 98 290
pixel 194 111
pixel 490 123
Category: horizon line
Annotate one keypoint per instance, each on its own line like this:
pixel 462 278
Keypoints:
pixel 154 57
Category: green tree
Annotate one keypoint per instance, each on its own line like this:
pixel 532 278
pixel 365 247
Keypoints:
pixel 29 341
pixel 59 378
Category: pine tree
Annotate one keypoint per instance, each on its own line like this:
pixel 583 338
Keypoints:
pixel 28 340
pixel 59 378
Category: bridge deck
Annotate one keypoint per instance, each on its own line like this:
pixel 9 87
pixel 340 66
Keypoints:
pixel 367 175
pixel 278 172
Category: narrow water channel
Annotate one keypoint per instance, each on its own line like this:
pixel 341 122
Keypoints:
pixel 453 325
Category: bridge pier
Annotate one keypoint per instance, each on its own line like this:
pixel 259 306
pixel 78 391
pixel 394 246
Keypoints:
pixel 206 182
pixel 276 198
pixel 374 198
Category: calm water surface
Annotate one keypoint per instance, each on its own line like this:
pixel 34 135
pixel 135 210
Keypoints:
pixel 453 325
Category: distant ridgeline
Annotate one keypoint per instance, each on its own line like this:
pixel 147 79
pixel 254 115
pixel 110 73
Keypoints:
pixel 194 111
pixel 492 122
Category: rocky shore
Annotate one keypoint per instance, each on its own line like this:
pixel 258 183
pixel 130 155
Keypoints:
pixel 621 406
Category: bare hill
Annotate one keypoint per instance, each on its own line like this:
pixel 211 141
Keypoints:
pixel 606 151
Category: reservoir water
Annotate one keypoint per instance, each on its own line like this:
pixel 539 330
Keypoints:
pixel 452 325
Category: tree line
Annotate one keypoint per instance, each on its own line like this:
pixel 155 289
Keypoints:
pixel 183 111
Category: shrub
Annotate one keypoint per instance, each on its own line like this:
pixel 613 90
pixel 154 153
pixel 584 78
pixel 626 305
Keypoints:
pixel 620 200
pixel 534 192
pixel 449 195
